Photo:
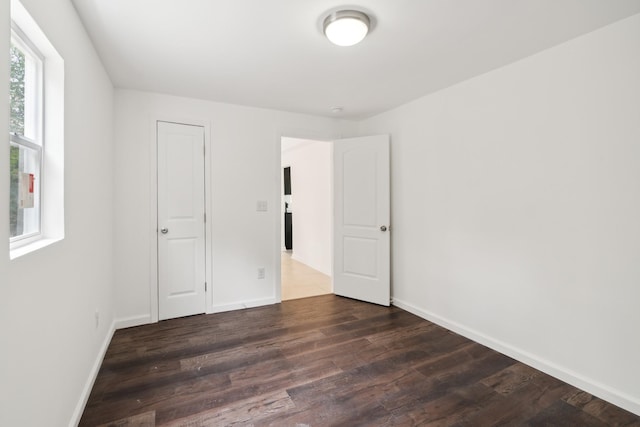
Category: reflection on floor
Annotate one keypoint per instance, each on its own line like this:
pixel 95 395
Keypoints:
pixel 301 281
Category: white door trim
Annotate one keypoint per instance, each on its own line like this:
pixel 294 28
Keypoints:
pixel 153 211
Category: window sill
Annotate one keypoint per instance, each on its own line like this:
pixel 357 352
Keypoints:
pixel 31 247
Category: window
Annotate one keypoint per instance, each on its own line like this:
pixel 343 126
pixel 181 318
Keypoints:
pixel 36 137
pixel 25 139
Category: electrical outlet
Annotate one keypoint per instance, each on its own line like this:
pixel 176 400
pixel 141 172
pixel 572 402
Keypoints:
pixel 97 315
pixel 261 273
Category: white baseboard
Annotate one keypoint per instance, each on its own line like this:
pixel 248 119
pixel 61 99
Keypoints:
pixel 128 322
pixel 93 374
pixel 595 388
pixel 243 304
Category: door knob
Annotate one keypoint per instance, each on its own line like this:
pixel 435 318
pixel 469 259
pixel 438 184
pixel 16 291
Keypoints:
pixel 383 228
pixel 164 230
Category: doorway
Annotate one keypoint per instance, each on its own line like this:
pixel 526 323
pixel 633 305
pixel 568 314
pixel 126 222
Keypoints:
pixel 306 218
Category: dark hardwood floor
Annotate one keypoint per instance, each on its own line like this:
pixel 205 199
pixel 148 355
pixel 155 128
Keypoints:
pixel 325 361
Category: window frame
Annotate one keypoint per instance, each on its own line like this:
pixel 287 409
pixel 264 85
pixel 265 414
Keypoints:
pixel 37 143
pixel 52 183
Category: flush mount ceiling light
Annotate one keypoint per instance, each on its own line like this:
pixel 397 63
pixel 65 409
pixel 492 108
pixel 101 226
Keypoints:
pixel 346 27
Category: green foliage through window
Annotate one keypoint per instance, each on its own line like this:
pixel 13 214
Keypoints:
pixel 16 125
pixel 15 220
pixel 16 91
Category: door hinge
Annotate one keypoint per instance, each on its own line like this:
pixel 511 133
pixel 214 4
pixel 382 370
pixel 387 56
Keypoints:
pixel 205 286
pixel 205 217
pixel 204 150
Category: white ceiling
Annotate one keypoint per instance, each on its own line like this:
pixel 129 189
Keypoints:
pixel 271 53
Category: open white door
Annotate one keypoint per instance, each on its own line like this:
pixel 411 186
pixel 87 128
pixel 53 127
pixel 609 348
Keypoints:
pixel 361 219
pixel 181 228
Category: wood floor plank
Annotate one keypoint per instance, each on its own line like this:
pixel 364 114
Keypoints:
pixel 445 409
pixel 600 409
pixel 511 378
pixel 150 397
pixel 562 414
pixel 325 361
pixel 225 396
pixel 147 419
pixel 518 405
pixel 245 412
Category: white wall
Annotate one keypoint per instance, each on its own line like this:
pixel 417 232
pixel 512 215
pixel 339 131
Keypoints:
pixel 245 167
pixel 50 344
pixel 516 206
pixel 312 202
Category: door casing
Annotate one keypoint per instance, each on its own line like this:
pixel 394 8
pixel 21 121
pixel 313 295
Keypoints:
pixel 153 213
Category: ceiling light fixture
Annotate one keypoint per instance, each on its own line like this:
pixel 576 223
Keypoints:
pixel 346 27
